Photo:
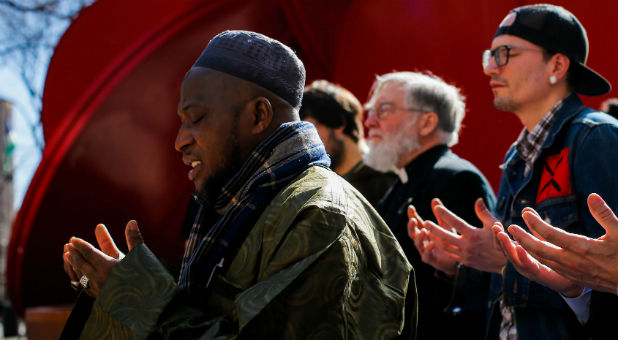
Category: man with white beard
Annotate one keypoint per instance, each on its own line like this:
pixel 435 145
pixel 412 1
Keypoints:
pixel 413 119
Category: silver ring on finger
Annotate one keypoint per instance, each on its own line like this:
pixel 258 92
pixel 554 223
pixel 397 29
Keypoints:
pixel 83 281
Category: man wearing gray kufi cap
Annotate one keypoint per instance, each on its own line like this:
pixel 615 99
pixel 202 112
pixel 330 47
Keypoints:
pixel 282 247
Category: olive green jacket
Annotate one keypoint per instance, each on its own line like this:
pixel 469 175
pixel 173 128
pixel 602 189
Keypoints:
pixel 319 263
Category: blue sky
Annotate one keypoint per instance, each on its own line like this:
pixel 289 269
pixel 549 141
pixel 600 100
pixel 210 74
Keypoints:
pixel 44 30
pixel 27 155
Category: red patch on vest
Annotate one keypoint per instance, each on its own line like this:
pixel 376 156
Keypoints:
pixel 555 179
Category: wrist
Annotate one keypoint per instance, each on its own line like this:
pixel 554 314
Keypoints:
pixel 452 271
pixel 500 268
pixel 573 292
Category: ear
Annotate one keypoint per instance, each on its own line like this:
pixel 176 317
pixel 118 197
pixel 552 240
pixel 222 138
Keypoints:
pixel 428 123
pixel 262 114
pixel 559 65
pixel 339 130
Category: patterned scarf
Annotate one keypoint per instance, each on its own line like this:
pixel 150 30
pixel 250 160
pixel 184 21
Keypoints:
pixel 277 161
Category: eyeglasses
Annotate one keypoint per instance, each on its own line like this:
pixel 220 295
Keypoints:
pixel 502 53
pixel 383 110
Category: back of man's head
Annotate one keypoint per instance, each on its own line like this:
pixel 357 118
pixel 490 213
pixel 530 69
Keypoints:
pixel 333 106
pixel 429 93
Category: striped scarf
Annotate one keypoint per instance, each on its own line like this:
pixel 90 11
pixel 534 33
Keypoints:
pixel 277 161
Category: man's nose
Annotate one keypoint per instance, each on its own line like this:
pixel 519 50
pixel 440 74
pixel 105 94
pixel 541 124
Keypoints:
pixel 491 67
pixel 371 120
pixel 183 139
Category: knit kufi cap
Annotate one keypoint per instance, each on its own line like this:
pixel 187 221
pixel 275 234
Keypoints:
pixel 259 59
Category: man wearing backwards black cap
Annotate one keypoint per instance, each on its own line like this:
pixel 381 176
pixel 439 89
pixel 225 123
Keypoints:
pixel 566 151
pixel 281 248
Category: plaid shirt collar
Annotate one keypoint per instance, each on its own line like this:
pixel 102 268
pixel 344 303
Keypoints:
pixel 529 144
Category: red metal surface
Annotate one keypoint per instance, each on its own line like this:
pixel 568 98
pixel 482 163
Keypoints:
pixel 112 88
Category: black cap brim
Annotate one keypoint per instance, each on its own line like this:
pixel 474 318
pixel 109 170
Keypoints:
pixel 588 82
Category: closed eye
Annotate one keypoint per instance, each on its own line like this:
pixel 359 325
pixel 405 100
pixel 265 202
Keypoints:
pixel 198 119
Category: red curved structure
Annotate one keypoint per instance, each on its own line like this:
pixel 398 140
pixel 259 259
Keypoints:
pixel 112 88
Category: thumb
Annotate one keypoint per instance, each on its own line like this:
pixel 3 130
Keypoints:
pixel 133 235
pixel 483 213
pixel 603 214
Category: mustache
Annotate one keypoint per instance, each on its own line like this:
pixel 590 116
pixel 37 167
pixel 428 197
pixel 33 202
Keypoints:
pixel 498 79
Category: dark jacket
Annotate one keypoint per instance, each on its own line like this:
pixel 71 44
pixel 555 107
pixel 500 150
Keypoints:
pixel 440 173
pixel 372 183
pixel 579 157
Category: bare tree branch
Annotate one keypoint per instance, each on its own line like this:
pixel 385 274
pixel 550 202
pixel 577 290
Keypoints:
pixel 29 31
pixel 47 8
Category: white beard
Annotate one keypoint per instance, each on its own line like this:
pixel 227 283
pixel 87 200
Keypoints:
pixel 385 154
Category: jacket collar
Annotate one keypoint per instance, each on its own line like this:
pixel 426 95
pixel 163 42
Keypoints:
pixel 571 107
pixel 423 163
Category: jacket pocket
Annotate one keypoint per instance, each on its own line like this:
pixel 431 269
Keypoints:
pixel 560 212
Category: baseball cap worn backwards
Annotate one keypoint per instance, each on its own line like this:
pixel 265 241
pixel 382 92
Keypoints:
pixel 259 59
pixel 558 31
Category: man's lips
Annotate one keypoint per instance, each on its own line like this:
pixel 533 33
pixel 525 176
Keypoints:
pixel 193 172
pixel 194 164
pixel 496 85
pixel 374 136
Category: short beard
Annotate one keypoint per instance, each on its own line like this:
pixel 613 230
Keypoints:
pixel 384 155
pixel 505 104
pixel 337 150
pixel 212 186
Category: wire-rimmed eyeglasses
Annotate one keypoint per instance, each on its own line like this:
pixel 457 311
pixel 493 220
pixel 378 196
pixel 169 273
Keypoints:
pixel 383 110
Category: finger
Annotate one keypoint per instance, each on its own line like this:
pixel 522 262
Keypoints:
pixel 497 227
pixel 415 214
pixel 451 221
pixel 508 247
pixel 89 253
pixel 420 241
pixel 447 250
pixel 526 265
pixel 67 265
pixel 68 268
pixel 412 227
pixel 435 203
pixel 442 234
pixel 535 247
pixel 554 235
pixel 531 245
pixel 450 250
pixel 105 241
pixel 532 261
pixel 604 215
pixel 81 266
pixel 522 236
pixel 524 258
pixel 483 213
pixel 133 235
pixel 528 209
pixel 427 254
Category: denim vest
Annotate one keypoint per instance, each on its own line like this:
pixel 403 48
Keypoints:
pixel 579 157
